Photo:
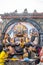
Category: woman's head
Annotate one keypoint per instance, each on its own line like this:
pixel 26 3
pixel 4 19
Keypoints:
pixel 11 49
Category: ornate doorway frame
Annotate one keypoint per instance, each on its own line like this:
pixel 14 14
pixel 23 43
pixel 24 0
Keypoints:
pixel 34 23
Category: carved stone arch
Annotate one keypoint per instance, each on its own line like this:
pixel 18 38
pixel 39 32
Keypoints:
pixel 34 23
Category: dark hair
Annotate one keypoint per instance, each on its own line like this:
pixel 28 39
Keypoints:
pixel 8 39
pixel 28 45
pixel 10 44
pixel 1 48
pixel 32 38
pixel 38 46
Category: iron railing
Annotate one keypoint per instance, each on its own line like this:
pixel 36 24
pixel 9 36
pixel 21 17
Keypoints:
pixel 19 63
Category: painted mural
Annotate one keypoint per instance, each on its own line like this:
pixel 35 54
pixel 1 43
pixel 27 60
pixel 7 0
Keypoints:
pixel 21 30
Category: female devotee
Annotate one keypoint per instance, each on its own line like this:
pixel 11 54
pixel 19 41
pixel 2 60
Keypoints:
pixel 12 56
pixel 3 55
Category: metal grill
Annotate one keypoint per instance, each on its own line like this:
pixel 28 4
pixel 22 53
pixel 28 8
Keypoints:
pixel 19 63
